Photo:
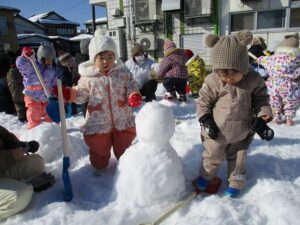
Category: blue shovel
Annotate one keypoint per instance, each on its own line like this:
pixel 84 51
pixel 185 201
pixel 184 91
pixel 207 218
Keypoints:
pixel 52 106
pixel 66 160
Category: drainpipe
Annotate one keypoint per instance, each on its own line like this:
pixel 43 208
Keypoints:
pixel 215 15
pixel 94 19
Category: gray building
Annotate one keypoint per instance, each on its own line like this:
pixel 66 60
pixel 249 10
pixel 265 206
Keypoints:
pixel 188 22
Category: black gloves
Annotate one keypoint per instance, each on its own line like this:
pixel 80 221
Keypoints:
pixel 262 129
pixel 211 128
pixel 31 146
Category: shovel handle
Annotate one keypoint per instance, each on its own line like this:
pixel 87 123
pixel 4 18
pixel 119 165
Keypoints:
pixel 38 73
pixel 252 55
pixel 62 118
pixel 172 210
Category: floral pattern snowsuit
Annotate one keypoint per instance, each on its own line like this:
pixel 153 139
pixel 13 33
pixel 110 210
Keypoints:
pixel 283 82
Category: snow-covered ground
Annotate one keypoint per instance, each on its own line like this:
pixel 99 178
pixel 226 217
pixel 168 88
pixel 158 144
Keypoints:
pixel 272 194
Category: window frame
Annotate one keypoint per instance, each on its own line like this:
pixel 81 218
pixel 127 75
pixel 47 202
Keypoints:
pixel 5 28
pixel 285 28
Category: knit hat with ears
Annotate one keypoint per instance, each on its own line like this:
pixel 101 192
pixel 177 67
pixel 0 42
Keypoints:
pixel 137 48
pixel 230 52
pixel 169 46
pixel 100 43
pixel 290 41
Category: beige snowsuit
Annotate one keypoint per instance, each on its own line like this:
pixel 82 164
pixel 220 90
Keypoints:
pixel 233 108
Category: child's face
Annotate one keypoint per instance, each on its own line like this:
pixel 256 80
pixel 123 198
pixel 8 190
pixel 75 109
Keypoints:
pixel 48 62
pixel 230 76
pixel 105 61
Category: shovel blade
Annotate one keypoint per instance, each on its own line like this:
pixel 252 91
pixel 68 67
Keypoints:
pixel 66 179
pixel 53 110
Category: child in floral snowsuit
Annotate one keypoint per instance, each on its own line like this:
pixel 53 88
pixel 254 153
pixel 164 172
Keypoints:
pixel 284 79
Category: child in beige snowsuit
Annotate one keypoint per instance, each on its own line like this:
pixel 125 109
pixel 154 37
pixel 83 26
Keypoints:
pixel 233 103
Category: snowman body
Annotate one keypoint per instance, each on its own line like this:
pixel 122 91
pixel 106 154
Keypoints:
pixel 149 173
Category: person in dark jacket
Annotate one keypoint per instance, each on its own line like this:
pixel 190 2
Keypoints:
pixel 173 69
pixel 16 87
pixel 67 70
pixel 6 103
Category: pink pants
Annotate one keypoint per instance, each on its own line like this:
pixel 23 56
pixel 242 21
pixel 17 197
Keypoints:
pixel 100 145
pixel 35 111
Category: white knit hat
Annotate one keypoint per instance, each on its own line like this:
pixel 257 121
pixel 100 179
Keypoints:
pixel 101 43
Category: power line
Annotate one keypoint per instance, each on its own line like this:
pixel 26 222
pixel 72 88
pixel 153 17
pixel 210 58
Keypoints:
pixel 42 8
pixel 67 10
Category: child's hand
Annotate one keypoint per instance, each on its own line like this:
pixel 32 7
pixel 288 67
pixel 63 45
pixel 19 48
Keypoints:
pixel 135 99
pixel 210 126
pixel 26 52
pixel 259 125
pixel 65 90
pixel 267 118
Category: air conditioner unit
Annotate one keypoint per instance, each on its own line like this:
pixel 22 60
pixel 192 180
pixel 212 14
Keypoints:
pixel 148 41
pixel 118 36
pixel 197 8
pixel 146 10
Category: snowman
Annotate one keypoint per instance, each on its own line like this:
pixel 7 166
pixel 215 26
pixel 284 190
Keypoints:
pixel 149 174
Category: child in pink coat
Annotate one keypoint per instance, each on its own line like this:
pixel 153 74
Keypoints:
pixel 110 90
pixel 35 98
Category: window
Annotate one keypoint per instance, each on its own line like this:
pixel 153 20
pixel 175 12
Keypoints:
pixel 243 21
pixel 271 19
pixel 295 17
pixel 3 26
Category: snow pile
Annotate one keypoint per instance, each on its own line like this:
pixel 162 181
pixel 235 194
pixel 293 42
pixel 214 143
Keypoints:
pixel 149 175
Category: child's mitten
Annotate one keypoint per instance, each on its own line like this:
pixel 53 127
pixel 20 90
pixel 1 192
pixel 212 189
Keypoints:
pixel 262 129
pixel 210 126
pixel 135 99
pixel 26 51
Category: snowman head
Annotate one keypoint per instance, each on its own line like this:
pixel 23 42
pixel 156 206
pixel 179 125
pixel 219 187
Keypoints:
pixel 155 123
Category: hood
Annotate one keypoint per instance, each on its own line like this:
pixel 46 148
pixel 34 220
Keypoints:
pixel 288 50
pixel 88 69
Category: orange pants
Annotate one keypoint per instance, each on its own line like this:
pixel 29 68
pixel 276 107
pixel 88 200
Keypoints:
pixel 35 111
pixel 100 145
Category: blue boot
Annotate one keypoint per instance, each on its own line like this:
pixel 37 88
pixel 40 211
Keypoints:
pixel 201 183
pixel 232 192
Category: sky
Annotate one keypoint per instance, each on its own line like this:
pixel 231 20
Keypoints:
pixel 74 10
pixel 152 176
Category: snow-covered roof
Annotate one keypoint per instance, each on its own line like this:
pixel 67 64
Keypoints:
pixel 9 8
pixel 35 18
pixel 98 20
pixel 41 18
pixel 43 21
pixel 23 36
pixel 81 37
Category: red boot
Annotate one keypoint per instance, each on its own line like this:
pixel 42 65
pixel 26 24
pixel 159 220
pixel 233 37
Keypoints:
pixel 212 188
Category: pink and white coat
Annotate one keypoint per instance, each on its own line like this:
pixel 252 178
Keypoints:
pixel 107 97
pixel 284 79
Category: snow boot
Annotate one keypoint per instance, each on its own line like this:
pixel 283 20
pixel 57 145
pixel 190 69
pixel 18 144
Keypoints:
pixel 232 192
pixel 182 98
pixel 203 185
